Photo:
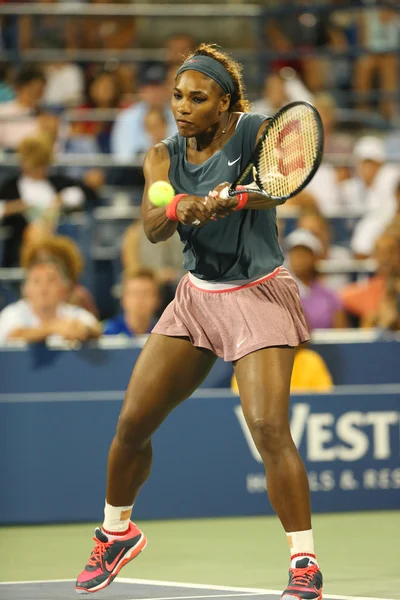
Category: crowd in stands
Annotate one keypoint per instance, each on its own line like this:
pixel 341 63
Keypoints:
pixel 120 109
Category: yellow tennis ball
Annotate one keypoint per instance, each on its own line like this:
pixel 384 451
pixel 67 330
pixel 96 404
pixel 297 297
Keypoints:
pixel 161 193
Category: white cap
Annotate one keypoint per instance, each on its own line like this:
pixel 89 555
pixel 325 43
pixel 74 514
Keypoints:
pixel 370 148
pixel 303 237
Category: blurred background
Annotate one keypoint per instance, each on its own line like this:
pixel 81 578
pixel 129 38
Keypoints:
pixel 84 93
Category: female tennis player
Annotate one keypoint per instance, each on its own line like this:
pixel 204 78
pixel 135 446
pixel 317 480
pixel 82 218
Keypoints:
pixel 236 302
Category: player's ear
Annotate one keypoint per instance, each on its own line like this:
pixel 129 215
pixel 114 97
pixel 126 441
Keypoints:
pixel 224 103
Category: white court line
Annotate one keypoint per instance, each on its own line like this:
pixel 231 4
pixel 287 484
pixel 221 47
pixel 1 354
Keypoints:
pixel 197 586
pixel 232 595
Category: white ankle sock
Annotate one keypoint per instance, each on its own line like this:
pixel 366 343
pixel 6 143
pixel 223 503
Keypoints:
pixel 116 518
pixel 301 543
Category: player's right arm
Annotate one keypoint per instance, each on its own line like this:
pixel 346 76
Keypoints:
pixel 157 226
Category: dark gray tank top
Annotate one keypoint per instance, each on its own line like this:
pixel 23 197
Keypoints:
pixel 245 244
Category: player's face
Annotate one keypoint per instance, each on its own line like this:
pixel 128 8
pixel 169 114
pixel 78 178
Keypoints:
pixel 45 288
pixel 197 103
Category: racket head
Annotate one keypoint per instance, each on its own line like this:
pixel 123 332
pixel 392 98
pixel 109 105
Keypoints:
pixel 289 151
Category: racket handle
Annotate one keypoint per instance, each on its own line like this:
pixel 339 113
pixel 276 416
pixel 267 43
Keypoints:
pixel 224 193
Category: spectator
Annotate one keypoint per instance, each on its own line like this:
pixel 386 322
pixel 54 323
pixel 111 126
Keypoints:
pixel 280 89
pixel 326 185
pixel 335 143
pixel 374 188
pixel 35 196
pixel 129 127
pixel 319 226
pixel 104 93
pixel 6 78
pixel 106 32
pixel 322 307
pixel 43 311
pixel 66 252
pixel 18 117
pixel 177 47
pixel 364 300
pixel 140 300
pixel 51 31
pixel 310 373
pixel 156 130
pixel 379 28
pixel 65 85
pixel 164 258
pixel 274 95
pixel 303 31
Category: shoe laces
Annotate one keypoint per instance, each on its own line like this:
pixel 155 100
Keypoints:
pixel 303 576
pixel 98 552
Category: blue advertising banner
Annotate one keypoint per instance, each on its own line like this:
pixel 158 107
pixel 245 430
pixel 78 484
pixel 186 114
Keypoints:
pixel 53 453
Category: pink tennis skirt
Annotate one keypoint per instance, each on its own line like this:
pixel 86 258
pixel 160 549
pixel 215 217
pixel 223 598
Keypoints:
pixel 234 322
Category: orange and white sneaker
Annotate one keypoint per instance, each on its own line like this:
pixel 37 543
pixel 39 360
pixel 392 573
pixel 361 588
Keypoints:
pixel 305 581
pixel 108 557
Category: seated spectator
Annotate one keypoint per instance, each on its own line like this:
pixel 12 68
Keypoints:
pixel 375 184
pixel 103 93
pixel 47 31
pixel 64 86
pixel 177 47
pixel 322 307
pixel 105 32
pixel 6 76
pixel 66 252
pixel 129 128
pixel 310 373
pixel 140 300
pixel 165 258
pixel 319 226
pixel 334 141
pixel 43 311
pixel 156 130
pixel 280 89
pixel 36 197
pixel 18 117
pixel 364 300
pixel 379 33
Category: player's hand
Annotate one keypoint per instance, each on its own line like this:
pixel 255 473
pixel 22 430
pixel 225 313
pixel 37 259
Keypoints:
pixel 221 207
pixel 193 210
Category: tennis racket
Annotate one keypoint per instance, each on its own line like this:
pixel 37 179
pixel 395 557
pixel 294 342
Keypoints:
pixel 287 155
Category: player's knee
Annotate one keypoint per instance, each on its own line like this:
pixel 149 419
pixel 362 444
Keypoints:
pixel 270 435
pixel 130 432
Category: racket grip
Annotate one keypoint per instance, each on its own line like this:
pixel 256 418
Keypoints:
pixel 224 193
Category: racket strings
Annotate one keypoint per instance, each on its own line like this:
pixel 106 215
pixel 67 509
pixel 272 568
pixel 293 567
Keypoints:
pixel 289 151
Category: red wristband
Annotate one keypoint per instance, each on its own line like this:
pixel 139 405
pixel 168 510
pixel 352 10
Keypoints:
pixel 242 198
pixel 171 207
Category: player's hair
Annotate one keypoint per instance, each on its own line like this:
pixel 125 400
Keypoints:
pixel 59 250
pixel 239 101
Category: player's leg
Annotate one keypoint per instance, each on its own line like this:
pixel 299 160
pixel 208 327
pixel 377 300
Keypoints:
pixel 167 372
pixel 263 379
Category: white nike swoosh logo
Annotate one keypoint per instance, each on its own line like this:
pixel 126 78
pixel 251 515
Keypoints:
pixel 240 343
pixel 234 161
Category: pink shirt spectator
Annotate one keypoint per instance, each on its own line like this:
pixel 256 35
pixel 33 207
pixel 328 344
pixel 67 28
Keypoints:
pixel 320 305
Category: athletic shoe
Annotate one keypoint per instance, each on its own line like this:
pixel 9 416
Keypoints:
pixel 108 557
pixel 305 581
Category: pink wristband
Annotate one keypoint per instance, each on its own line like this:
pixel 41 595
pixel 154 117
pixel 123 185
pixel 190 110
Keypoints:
pixel 170 210
pixel 242 198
